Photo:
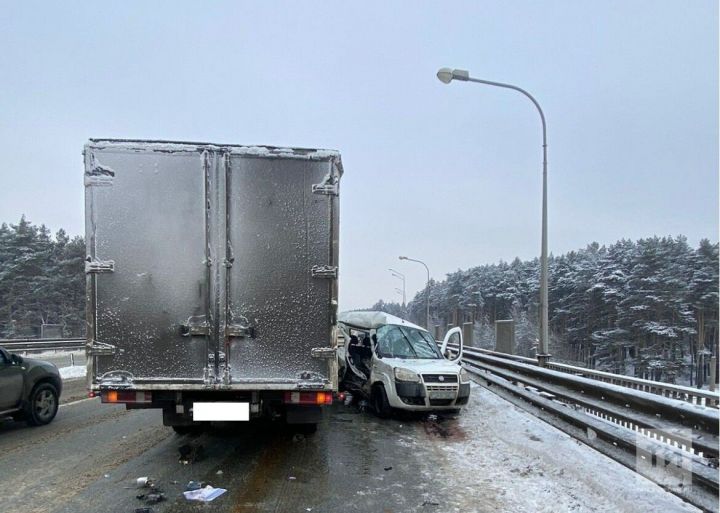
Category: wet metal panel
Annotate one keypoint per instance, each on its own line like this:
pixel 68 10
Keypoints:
pixel 278 230
pixel 146 215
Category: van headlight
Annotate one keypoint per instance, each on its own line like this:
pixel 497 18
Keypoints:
pixel 464 376
pixel 406 375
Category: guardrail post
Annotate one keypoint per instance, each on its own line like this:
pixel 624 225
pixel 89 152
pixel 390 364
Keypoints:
pixel 505 336
pixel 713 373
pixel 467 330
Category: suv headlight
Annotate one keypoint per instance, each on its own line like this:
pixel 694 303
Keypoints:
pixel 406 375
pixel 464 376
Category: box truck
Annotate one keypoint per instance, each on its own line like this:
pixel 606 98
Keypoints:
pixel 212 279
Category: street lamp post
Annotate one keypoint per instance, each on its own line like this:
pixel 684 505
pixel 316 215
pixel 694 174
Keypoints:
pixel 402 277
pixel 427 290
pixel 447 75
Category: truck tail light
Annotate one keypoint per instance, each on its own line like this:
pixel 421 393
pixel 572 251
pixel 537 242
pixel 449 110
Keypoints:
pixel 125 396
pixel 308 398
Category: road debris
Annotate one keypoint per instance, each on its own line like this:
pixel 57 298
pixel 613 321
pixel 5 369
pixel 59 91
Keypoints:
pixel 219 473
pixel 206 494
pixel 144 510
pixel 388 468
pixel 143 482
pixel 190 453
pixel 292 478
pixel 193 485
pixel 152 498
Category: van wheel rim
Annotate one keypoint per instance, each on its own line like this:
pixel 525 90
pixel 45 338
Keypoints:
pixel 44 404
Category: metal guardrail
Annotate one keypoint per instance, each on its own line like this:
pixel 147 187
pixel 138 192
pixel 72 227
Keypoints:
pixel 642 428
pixel 43 344
pixel 688 394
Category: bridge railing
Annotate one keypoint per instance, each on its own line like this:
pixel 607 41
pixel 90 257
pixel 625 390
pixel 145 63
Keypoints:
pixel 42 344
pixel 633 421
pixel 688 394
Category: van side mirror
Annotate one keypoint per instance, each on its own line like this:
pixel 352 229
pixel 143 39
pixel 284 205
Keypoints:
pixel 15 359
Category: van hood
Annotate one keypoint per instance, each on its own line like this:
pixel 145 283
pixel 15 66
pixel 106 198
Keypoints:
pixel 425 365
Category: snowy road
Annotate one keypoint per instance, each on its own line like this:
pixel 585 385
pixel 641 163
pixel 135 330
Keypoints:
pixel 493 458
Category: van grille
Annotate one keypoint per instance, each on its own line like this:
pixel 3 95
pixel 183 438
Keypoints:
pixel 443 388
pixel 435 378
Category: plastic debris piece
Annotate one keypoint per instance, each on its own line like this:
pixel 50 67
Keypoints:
pixel 206 494
pixel 190 453
pixel 292 478
pixel 143 482
pixel 107 476
pixel 219 473
pixel 193 485
pixel 154 498
pixel 388 468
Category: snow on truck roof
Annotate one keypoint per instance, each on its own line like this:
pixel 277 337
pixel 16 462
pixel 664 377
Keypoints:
pixel 199 147
pixel 373 320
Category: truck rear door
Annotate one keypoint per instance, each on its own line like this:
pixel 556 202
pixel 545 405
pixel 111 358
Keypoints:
pixel 145 235
pixel 282 228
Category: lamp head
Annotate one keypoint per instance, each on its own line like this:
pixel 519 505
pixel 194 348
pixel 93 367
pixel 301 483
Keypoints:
pixel 447 75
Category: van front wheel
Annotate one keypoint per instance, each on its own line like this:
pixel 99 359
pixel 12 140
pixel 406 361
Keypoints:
pixel 380 402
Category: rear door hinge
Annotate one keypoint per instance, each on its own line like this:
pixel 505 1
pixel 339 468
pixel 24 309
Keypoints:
pixel 101 349
pixel 324 271
pixel 236 330
pixel 195 329
pixel 329 189
pixel 323 352
pixel 99 266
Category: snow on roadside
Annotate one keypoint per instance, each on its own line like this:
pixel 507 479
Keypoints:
pixel 44 355
pixel 508 460
pixel 75 372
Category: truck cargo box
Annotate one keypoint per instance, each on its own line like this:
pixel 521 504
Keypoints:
pixel 211 266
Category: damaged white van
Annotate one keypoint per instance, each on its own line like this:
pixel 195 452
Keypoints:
pixel 397 365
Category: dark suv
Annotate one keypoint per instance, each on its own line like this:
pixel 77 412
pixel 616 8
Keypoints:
pixel 29 389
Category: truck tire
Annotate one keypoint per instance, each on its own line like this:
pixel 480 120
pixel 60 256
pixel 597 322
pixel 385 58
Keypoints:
pixel 42 405
pixel 305 429
pixel 187 430
pixel 380 402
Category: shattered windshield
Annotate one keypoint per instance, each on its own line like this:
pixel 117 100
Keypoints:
pixel 403 342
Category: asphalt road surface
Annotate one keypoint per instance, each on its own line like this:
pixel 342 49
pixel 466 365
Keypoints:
pixel 88 459
pixel 492 458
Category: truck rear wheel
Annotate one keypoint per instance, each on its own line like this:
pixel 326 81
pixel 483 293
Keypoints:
pixel 305 429
pixel 187 430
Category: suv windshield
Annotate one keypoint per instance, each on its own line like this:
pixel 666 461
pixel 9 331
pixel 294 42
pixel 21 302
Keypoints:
pixel 404 342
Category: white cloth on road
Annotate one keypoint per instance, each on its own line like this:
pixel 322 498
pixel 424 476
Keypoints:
pixel 204 494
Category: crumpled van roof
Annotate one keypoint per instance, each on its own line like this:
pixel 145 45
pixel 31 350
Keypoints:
pixel 373 320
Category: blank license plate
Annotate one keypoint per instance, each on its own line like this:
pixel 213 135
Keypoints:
pixel 442 395
pixel 221 411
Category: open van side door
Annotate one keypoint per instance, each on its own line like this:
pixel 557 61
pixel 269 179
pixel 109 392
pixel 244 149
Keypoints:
pixel 445 341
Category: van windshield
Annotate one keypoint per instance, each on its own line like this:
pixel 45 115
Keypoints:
pixel 403 342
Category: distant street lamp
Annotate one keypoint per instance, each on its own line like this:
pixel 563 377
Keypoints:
pixel 447 75
pixel 402 277
pixel 427 290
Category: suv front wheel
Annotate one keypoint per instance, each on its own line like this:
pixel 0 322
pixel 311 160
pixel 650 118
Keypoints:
pixel 42 405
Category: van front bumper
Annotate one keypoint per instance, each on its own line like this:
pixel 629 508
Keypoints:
pixel 415 396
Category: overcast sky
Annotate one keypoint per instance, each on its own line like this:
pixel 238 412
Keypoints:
pixel 450 174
